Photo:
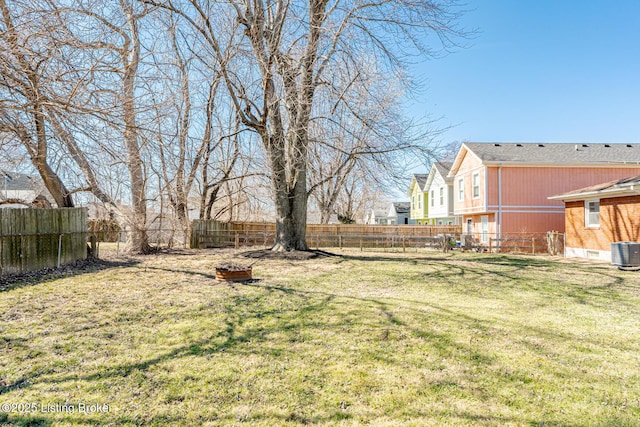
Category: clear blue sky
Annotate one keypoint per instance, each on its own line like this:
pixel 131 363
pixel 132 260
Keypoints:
pixel 539 71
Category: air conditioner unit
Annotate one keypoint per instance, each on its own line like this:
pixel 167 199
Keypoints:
pixel 625 254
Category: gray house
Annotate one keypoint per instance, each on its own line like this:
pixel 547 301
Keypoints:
pixel 399 213
pixel 19 190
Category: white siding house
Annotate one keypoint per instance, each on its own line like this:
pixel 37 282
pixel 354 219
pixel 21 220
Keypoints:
pixel 376 216
pixel 440 195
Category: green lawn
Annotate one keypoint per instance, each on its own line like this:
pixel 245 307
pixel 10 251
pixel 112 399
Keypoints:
pixel 360 339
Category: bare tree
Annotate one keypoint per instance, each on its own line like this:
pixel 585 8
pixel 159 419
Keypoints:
pixel 31 70
pixel 108 40
pixel 180 154
pixel 291 49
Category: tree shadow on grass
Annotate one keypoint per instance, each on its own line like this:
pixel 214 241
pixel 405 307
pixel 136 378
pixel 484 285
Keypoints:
pixel 244 324
pixel 287 255
pixel 300 315
pixel 27 420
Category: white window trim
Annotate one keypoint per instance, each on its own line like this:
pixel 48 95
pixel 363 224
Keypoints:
pixel 441 196
pixel 461 190
pixel 587 223
pixel 473 186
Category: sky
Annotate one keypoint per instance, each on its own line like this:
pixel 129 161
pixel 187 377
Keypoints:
pixel 538 71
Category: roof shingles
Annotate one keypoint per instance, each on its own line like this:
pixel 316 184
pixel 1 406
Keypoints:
pixel 555 153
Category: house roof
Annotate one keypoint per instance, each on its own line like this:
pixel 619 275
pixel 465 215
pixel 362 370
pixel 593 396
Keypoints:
pixel 443 169
pixel 421 179
pixel 549 154
pixel 619 187
pixel 402 207
pixel 14 181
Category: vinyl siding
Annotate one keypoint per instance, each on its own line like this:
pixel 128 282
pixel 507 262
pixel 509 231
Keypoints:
pixel 469 166
pixel 525 191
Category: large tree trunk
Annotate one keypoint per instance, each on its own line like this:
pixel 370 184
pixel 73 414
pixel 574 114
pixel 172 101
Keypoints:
pixel 138 240
pixel 291 216
pixel 290 196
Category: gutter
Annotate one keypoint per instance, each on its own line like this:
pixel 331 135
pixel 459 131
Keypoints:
pixel 615 192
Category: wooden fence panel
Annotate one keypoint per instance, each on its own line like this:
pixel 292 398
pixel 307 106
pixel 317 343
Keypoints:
pixel 208 234
pixel 215 234
pixel 33 239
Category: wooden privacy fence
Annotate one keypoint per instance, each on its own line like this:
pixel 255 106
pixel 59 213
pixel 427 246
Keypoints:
pixel 208 234
pixel 33 239
pixel 551 243
pixel 212 234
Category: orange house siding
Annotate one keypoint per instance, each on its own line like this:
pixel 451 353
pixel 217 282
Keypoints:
pixel 532 222
pixel 530 186
pixel 619 222
pixel 523 205
pixel 477 224
pixel 469 167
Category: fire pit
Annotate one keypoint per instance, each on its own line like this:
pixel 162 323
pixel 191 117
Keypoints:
pixel 231 272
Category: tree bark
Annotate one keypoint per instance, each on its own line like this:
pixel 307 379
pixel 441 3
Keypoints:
pixel 138 240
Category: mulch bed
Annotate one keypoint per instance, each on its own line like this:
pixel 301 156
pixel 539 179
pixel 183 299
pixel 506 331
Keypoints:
pixel 88 265
pixel 287 255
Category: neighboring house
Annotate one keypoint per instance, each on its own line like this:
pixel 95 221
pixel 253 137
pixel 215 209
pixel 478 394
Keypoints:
pixel 419 211
pixel 599 215
pixel 20 190
pixel 399 213
pixel 376 216
pixel 439 188
pixel 503 188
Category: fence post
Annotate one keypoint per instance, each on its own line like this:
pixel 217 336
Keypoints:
pixel 360 243
pixel 340 241
pixel 533 245
pixel 404 248
pixel 59 249
pixel 490 245
pixel 317 242
pixel 237 242
pixel 94 252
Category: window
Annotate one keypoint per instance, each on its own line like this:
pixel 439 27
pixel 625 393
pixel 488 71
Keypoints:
pixel 592 213
pixel 441 196
pixel 419 204
pixel 476 185
pixel 461 190
pixel 433 197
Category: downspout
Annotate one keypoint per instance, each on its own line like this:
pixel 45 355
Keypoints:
pixel 499 222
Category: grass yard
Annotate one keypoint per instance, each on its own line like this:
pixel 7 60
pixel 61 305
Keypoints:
pixel 376 339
